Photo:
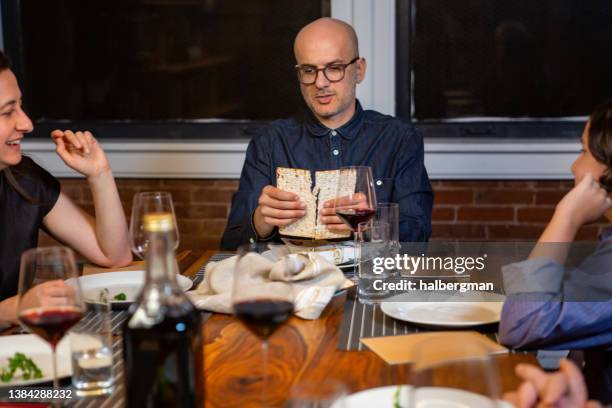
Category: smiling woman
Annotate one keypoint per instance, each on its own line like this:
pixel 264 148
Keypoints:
pixel 31 198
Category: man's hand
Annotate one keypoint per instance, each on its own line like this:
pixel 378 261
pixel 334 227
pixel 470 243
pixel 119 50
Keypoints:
pixel 276 208
pixel 585 203
pixel 562 389
pixel 328 212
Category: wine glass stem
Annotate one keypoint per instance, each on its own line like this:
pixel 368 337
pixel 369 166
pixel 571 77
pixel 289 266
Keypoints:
pixel 54 404
pixel 264 349
pixel 357 258
pixel 54 363
pixel 139 254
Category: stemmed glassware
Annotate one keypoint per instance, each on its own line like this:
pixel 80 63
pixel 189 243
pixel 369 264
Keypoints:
pixel 143 203
pixel 262 306
pixel 50 300
pixel 453 373
pixel 355 195
pixel 324 394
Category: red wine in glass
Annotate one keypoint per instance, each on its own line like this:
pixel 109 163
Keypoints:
pixel 262 307
pixel 263 316
pixel 353 216
pixel 355 200
pixel 51 323
pixel 49 316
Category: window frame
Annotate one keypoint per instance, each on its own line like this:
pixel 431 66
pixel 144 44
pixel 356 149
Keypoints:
pixel 211 155
pixel 11 42
pixel 480 128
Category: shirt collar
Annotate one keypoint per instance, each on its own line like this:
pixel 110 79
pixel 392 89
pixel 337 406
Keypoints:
pixel 348 131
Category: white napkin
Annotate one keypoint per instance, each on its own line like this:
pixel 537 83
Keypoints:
pixel 313 280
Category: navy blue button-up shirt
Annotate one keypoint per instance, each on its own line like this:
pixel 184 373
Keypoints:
pixel 392 147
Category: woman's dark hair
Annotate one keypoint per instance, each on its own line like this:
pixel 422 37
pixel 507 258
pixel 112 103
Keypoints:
pixel 600 140
pixel 8 174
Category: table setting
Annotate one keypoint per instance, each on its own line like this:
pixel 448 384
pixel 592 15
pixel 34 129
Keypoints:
pixel 309 308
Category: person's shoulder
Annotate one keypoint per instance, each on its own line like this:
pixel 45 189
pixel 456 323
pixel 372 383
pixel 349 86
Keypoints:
pixel 32 176
pixel 275 129
pixel 28 168
pixel 281 126
pixel 395 126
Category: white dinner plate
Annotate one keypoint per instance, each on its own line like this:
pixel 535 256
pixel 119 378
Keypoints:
pixel 455 311
pixel 429 397
pixel 40 352
pixel 128 282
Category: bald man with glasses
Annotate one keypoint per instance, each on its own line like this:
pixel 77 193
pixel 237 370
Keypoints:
pixel 336 133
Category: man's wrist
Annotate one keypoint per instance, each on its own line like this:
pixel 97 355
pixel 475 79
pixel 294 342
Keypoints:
pixel 262 230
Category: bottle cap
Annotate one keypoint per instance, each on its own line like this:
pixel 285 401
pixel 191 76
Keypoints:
pixel 158 222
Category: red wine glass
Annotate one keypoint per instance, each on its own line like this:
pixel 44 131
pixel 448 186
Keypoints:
pixel 355 196
pixel 263 306
pixel 49 301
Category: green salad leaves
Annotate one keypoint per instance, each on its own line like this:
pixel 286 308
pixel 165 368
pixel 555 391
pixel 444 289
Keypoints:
pixel 104 295
pixel 396 397
pixel 29 370
pixel 120 296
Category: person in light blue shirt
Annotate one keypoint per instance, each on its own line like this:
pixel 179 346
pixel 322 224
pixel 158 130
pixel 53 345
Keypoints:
pixel 549 308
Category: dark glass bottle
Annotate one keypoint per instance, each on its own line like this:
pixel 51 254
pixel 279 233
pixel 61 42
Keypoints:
pixel 162 338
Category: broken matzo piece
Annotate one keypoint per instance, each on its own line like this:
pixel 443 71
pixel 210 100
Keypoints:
pixel 299 181
pixel 327 184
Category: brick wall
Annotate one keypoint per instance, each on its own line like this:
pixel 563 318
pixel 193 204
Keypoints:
pixel 499 210
pixel 473 210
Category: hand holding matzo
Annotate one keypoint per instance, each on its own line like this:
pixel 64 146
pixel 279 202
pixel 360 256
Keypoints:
pixel 277 208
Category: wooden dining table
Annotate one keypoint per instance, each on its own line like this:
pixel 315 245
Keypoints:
pixel 302 351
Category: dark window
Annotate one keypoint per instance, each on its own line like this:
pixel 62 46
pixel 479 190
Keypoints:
pixel 147 60
pixel 500 58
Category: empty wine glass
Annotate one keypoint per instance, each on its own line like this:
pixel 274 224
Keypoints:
pixel 324 394
pixel 261 305
pixel 453 373
pixel 49 301
pixel 355 195
pixel 143 203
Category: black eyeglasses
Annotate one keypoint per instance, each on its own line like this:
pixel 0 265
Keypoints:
pixel 334 72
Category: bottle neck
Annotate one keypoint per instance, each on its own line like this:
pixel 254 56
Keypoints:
pixel 160 260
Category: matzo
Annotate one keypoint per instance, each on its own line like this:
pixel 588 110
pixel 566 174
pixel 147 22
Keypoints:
pixel 299 181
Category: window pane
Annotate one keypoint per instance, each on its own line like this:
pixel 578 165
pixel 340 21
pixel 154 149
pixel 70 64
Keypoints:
pixel 511 58
pixel 162 59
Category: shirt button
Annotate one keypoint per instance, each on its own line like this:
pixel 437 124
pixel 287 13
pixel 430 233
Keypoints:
pixel 336 152
pixel 334 133
pixel 379 182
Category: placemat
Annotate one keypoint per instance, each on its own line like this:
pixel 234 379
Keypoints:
pixel 362 321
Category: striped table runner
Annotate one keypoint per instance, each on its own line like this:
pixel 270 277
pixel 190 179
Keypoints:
pixel 362 321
